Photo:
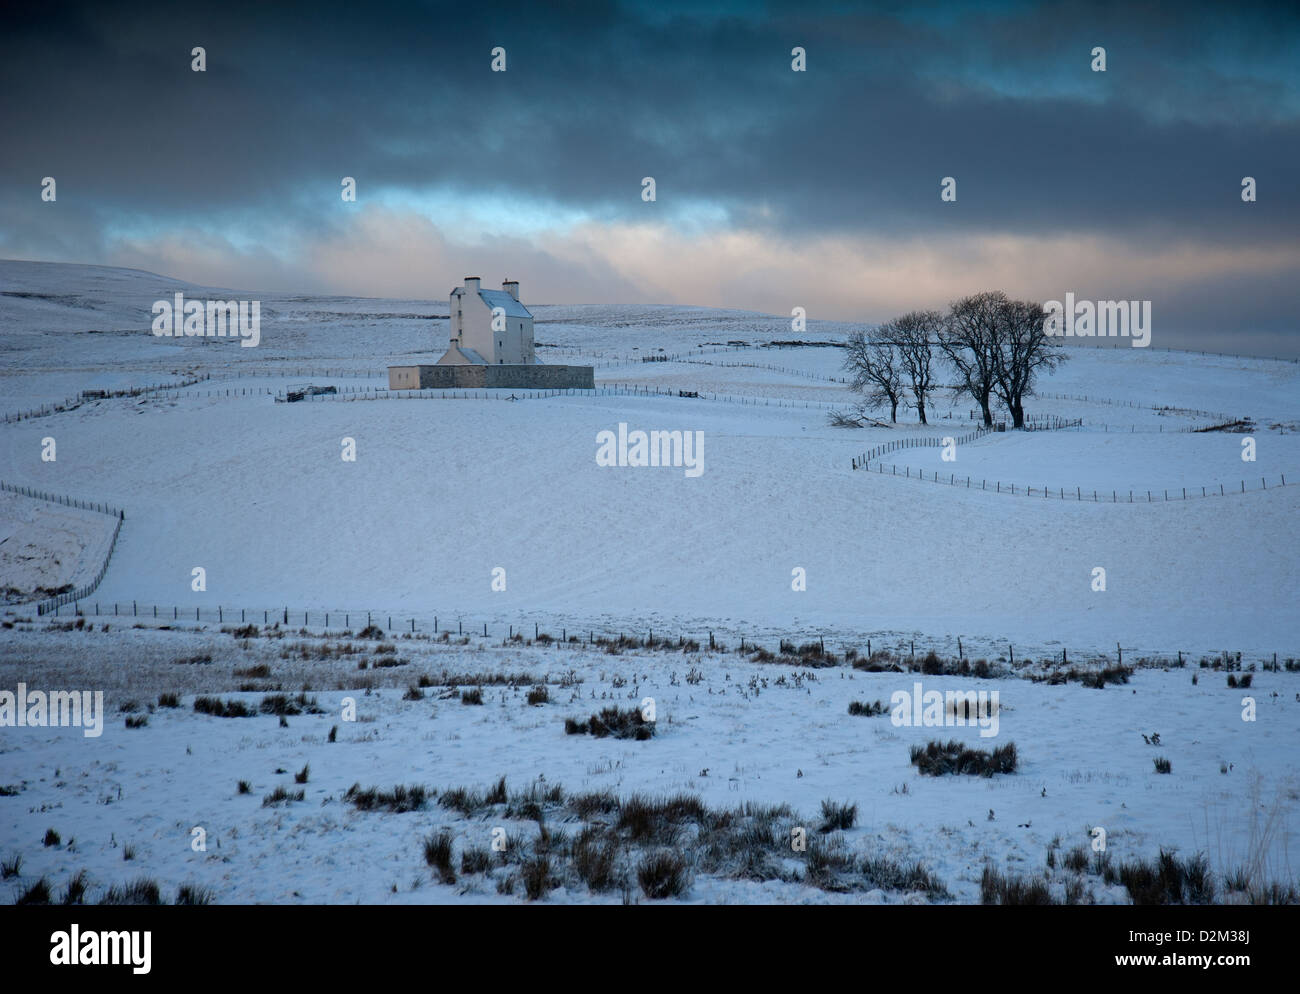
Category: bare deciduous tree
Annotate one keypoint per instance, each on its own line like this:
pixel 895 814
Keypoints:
pixel 970 342
pixel 916 335
pixel 874 361
pixel 1022 348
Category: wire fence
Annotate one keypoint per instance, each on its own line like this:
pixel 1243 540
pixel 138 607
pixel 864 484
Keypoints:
pixel 1050 422
pixel 638 390
pixel 505 393
pixel 305 371
pixel 346 393
pixel 1225 355
pixel 1080 494
pixel 1032 423
pixel 876 651
pixel 870 461
pixel 862 461
pixel 1109 429
pixel 374 393
pixel 789 371
pixel 69 596
pixel 1160 408
pixel 601 359
pixel 86 396
pixel 342 621
pixel 1037 421
pixel 81 593
pixel 228 392
pixel 579 351
pixel 85 505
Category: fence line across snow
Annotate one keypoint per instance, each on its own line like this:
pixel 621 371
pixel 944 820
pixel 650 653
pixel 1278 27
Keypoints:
pixel 84 591
pixel 601 360
pixel 635 390
pixel 862 461
pixel 84 505
pixel 500 393
pixel 1167 408
pixel 336 623
pixel 778 369
pixel 348 395
pixel 1080 494
pixel 81 593
pixel 86 396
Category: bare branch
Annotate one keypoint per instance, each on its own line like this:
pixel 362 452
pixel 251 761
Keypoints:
pixel 874 361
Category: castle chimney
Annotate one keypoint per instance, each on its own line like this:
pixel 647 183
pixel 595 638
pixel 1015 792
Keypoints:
pixel 471 284
pixel 511 287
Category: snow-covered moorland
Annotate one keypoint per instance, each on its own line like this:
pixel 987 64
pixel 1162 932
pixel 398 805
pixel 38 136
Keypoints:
pixel 449 494
pixel 741 736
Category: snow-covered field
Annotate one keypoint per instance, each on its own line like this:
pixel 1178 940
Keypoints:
pixel 729 731
pixel 45 547
pixel 445 491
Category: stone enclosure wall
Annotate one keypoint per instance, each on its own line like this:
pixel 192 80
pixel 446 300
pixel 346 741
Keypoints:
pixel 502 376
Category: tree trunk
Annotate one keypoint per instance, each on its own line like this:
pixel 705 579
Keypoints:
pixel 920 409
pixel 1017 415
pixel 893 411
pixel 987 410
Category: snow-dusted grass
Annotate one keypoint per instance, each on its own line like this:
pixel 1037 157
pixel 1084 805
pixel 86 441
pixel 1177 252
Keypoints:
pixel 739 733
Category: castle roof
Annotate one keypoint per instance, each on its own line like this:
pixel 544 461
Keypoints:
pixel 499 298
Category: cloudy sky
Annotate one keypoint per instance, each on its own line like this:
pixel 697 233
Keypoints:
pixel 775 188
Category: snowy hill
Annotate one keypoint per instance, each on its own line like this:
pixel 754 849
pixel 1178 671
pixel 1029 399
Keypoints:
pixel 443 491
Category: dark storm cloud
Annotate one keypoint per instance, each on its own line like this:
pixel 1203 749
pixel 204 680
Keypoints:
pixel 598 95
